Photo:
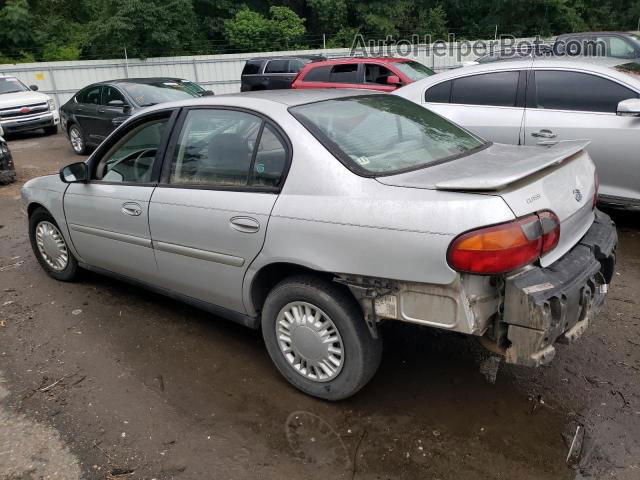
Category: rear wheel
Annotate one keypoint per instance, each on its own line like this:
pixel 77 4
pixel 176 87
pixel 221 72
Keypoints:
pixel 51 130
pixel 317 338
pixel 50 247
pixel 77 139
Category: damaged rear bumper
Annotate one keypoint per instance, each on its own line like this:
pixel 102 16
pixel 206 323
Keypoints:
pixel 543 306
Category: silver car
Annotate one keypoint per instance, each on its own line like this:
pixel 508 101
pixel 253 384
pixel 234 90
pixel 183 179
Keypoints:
pixel 546 101
pixel 318 215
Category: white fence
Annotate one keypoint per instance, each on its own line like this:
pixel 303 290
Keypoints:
pixel 220 73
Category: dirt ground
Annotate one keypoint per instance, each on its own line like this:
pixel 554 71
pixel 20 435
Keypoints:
pixel 102 380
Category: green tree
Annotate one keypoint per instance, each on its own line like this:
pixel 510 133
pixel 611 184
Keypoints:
pixel 250 31
pixel 145 28
pixel 16 29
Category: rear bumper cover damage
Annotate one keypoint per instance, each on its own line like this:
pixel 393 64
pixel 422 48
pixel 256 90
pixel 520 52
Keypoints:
pixel 543 306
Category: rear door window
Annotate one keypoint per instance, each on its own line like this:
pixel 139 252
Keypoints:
pixel 318 74
pixel 440 93
pixel 277 66
pixel 497 89
pixel 347 73
pixel 561 90
pixel 252 67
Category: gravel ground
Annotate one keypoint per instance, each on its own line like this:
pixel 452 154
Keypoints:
pixel 102 380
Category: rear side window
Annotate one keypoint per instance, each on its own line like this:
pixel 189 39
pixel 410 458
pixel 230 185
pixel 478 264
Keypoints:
pixel 318 74
pixel 347 73
pixel 560 90
pixel 439 93
pixel 498 89
pixel 277 66
pixel 252 67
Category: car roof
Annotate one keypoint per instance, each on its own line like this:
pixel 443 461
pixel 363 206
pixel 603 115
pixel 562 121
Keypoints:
pixel 261 99
pixel 288 57
pixel 601 65
pixel 146 80
pixel 591 33
pixel 347 60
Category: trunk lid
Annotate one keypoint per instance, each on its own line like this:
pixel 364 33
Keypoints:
pixel 560 178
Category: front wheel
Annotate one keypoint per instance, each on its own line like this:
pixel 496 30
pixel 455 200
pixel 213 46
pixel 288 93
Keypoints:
pixel 78 142
pixel 50 247
pixel 317 338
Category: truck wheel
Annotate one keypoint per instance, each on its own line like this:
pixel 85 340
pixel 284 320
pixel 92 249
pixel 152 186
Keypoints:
pixel 317 338
pixel 77 139
pixel 50 247
pixel 51 130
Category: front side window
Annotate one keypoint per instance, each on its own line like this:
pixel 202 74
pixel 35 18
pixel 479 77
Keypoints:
pixel 12 85
pixel 497 89
pixel 414 70
pixel 376 74
pixel 384 134
pixel 227 148
pixel 112 97
pixel 131 159
pixel 618 48
pixel 561 90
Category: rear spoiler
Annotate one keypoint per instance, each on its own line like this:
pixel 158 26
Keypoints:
pixel 495 180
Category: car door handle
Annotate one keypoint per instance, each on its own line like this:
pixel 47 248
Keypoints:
pixel 132 209
pixel 544 133
pixel 245 224
pixel 101 110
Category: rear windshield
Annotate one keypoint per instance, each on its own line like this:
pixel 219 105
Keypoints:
pixel 414 70
pixel 146 94
pixel 631 68
pixel 384 134
pixel 11 85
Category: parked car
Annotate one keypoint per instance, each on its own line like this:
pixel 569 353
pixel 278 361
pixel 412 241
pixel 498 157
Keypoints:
pixel 384 74
pixel 622 45
pixel 7 169
pixel 546 102
pixel 513 53
pixel 316 215
pixel 96 110
pixel 24 109
pixel 273 73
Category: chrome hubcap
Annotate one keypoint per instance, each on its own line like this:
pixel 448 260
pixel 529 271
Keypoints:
pixel 76 139
pixel 310 341
pixel 51 246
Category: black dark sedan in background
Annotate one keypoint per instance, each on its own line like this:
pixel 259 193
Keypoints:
pixel 96 110
pixel 7 170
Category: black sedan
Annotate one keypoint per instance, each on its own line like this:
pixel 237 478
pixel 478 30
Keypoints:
pixel 96 110
pixel 7 170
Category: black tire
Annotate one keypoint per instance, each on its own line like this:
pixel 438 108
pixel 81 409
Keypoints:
pixel 51 130
pixel 67 274
pixel 362 353
pixel 82 148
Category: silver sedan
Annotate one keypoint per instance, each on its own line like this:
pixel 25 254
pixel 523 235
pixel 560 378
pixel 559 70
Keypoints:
pixel 545 101
pixel 319 215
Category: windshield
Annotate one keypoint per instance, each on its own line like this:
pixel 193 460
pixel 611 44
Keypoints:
pixel 146 94
pixel 414 70
pixel 12 85
pixel 383 134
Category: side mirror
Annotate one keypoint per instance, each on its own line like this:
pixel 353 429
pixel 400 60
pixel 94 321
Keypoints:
pixel 33 87
pixel 394 80
pixel 115 103
pixel 75 173
pixel 629 108
pixel 126 109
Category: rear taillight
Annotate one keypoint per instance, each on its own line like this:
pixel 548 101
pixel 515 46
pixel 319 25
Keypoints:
pixel 505 247
pixel 597 187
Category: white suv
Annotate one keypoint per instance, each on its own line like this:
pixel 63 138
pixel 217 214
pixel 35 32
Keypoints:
pixel 22 108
